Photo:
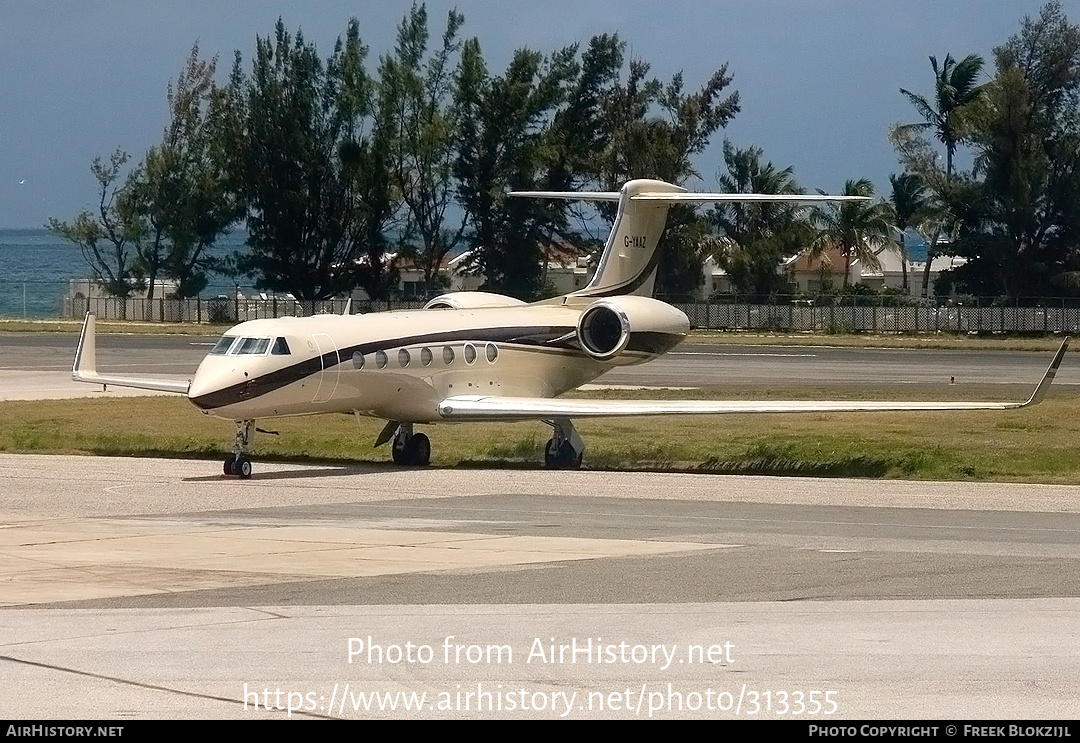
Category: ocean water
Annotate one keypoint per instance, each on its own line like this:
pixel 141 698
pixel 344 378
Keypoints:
pixel 36 266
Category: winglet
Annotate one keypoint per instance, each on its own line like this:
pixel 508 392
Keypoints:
pixel 1048 378
pixel 86 355
pixel 84 369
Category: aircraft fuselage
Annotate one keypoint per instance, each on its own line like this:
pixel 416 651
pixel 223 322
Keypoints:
pixel 400 365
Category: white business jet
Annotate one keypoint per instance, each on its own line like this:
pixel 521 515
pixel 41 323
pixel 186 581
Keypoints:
pixel 477 356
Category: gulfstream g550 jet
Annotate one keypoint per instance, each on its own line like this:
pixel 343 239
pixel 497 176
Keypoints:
pixel 476 356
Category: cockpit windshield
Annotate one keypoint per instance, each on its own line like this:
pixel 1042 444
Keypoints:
pixel 252 346
pixel 233 346
pixel 222 346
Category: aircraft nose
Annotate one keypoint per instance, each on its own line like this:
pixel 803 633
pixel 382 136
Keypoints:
pixel 214 387
pixel 203 387
pixel 199 385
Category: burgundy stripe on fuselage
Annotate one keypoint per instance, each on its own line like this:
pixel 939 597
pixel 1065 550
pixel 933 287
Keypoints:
pixel 257 386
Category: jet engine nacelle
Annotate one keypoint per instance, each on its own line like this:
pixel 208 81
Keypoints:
pixel 608 327
pixel 470 301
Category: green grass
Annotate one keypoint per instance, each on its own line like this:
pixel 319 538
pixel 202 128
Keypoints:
pixel 1033 445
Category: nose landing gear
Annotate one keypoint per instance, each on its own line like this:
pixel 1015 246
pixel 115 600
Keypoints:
pixel 238 462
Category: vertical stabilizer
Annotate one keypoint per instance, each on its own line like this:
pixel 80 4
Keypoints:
pixel 628 264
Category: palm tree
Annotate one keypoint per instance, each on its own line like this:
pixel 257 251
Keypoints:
pixel 759 235
pixel 954 88
pixel 746 222
pixel 858 229
pixel 909 206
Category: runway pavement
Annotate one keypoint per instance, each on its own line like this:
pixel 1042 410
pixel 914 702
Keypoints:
pixel 38 365
pixel 158 588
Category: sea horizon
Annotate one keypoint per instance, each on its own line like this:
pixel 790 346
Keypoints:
pixel 37 266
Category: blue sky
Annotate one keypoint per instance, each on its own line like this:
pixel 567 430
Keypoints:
pixel 818 79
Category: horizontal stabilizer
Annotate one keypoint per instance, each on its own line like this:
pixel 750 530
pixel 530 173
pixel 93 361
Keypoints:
pixel 85 367
pixel 574 195
pixel 689 197
pixel 705 198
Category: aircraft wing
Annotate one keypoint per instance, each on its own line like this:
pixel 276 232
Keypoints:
pixel 85 367
pixel 492 408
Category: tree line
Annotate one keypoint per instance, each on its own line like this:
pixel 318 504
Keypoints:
pixel 334 164
pixel 1015 213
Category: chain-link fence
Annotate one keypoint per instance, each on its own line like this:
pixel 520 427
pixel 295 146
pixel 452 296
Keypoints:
pixel 849 314
pixel 221 310
pixel 42 300
pixel 32 299
pixel 859 314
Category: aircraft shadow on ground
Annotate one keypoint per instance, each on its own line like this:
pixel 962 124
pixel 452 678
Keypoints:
pixel 344 470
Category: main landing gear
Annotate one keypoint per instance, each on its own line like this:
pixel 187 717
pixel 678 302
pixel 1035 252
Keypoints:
pixel 565 449
pixel 563 452
pixel 238 462
pixel 411 449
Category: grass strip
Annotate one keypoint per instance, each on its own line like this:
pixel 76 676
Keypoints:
pixel 105 327
pixel 1032 445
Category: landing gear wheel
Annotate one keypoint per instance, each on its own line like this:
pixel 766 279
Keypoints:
pixel 419 450
pixel 242 467
pixel 238 462
pixel 412 451
pixel 400 450
pixel 561 457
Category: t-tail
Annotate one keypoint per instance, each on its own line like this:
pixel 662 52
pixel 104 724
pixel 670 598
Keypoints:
pixel 630 259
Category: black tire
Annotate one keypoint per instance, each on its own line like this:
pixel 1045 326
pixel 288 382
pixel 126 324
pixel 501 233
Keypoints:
pixel 562 457
pixel 399 451
pixel 243 467
pixel 420 450
pixel 230 460
pixel 568 458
